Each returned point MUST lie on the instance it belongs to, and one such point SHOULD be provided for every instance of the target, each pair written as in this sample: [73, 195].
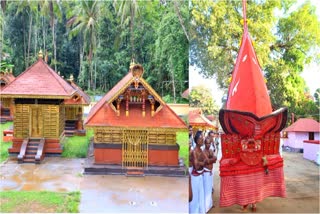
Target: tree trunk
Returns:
[54, 45]
[132, 27]
[43, 34]
[1, 42]
[52, 20]
[29, 39]
[176, 8]
[173, 81]
[35, 40]
[95, 75]
[24, 44]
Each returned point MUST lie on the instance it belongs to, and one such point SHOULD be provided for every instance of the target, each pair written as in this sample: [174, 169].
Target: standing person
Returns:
[191, 141]
[216, 140]
[197, 205]
[208, 174]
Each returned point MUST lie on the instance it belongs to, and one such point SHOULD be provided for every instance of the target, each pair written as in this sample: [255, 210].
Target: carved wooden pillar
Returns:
[127, 105]
[152, 107]
[143, 107]
[118, 106]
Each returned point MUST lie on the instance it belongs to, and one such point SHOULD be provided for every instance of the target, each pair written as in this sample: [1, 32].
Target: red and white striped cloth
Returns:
[250, 188]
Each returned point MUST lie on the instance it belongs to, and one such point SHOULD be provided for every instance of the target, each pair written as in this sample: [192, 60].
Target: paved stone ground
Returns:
[302, 184]
[99, 193]
[109, 193]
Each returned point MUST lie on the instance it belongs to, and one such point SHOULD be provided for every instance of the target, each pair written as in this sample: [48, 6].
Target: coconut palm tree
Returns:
[127, 11]
[53, 8]
[84, 21]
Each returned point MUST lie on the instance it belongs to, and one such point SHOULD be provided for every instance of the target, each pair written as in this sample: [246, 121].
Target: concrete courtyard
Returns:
[99, 193]
[302, 184]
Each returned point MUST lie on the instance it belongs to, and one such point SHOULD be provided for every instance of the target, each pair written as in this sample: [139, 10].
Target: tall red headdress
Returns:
[250, 146]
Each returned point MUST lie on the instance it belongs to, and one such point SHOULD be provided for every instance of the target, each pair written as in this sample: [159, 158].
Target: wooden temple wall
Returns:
[161, 146]
[50, 122]
[72, 112]
[51, 119]
[61, 120]
[21, 121]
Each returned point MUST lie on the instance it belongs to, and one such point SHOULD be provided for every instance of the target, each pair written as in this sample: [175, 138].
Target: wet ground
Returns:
[99, 193]
[302, 185]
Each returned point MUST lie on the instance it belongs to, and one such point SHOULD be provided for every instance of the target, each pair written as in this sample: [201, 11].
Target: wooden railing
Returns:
[39, 156]
[23, 150]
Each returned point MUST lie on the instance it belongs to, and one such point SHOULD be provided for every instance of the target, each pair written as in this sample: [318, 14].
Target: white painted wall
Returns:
[295, 139]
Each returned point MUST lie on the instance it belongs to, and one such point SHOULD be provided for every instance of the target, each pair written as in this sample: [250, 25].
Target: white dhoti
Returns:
[208, 184]
[197, 205]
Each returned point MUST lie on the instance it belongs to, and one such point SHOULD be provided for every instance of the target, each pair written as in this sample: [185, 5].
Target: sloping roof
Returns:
[84, 98]
[102, 114]
[179, 109]
[248, 91]
[197, 119]
[304, 125]
[39, 81]
[185, 94]
[6, 77]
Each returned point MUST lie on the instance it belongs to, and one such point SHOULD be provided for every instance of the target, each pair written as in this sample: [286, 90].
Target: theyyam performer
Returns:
[251, 167]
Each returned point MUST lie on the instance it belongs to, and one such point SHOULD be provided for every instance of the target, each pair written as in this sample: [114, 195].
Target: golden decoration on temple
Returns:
[40, 54]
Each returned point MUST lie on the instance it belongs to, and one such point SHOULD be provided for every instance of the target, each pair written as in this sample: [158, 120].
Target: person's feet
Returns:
[244, 208]
[254, 208]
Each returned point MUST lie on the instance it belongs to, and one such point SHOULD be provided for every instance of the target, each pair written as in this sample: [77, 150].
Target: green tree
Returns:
[201, 97]
[284, 43]
[85, 20]
[317, 97]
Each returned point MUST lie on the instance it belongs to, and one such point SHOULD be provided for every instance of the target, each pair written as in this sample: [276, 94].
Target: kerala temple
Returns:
[43, 104]
[134, 130]
[6, 104]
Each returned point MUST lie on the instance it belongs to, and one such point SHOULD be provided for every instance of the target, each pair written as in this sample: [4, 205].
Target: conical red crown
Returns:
[248, 90]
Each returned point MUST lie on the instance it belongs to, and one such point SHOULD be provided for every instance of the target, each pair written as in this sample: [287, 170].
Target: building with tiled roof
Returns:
[39, 119]
[301, 130]
[6, 104]
[74, 109]
[133, 126]
[198, 121]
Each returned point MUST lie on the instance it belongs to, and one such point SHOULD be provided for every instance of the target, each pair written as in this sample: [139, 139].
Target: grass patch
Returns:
[76, 146]
[183, 141]
[40, 202]
[4, 146]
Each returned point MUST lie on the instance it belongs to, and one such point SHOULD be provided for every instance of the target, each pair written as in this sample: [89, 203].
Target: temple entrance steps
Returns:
[135, 172]
[70, 127]
[3, 120]
[32, 150]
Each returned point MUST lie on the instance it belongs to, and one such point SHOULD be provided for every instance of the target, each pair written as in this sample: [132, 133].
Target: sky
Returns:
[311, 74]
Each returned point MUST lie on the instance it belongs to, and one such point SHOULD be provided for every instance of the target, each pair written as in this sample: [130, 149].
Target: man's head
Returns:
[207, 142]
[211, 135]
[198, 138]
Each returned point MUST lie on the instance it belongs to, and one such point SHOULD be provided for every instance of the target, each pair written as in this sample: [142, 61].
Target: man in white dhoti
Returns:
[197, 205]
[208, 174]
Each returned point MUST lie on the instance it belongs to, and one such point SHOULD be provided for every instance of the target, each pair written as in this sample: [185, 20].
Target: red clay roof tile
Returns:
[39, 80]
[102, 113]
[304, 125]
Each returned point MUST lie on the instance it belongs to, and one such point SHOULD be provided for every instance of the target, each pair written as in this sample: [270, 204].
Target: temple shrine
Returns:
[134, 129]
[41, 99]
[74, 108]
[251, 163]
[198, 121]
[6, 104]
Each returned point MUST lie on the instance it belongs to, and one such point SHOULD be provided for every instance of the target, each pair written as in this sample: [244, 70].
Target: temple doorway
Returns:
[36, 121]
[135, 148]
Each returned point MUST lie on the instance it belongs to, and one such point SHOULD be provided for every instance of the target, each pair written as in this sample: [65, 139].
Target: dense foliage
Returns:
[286, 37]
[201, 97]
[96, 40]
